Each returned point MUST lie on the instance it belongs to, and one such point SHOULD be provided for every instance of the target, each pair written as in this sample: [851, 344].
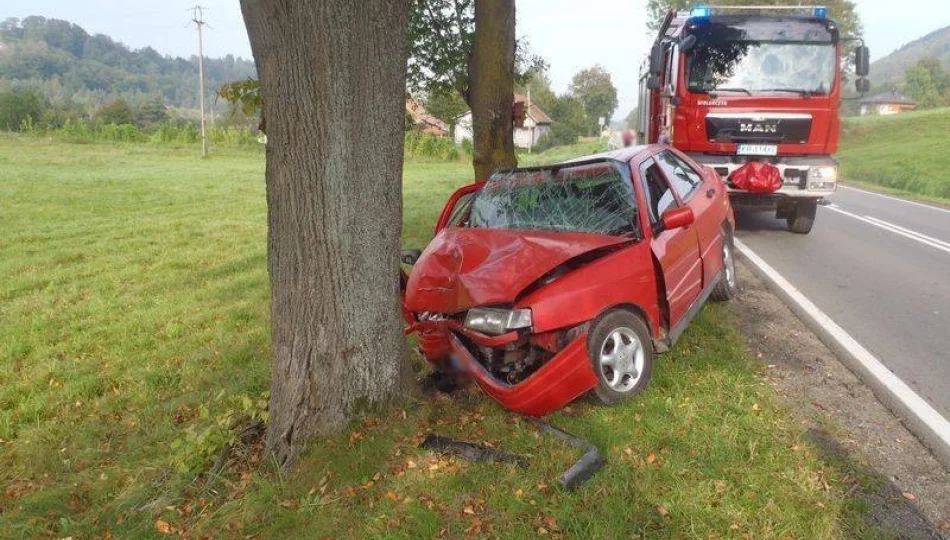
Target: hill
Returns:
[905, 152]
[70, 65]
[889, 70]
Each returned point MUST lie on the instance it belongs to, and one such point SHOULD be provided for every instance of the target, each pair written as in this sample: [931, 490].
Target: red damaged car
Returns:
[546, 283]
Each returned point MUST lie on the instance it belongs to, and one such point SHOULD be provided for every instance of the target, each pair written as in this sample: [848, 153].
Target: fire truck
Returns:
[753, 92]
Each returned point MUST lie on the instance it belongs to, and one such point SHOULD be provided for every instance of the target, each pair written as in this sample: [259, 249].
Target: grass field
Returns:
[134, 307]
[904, 153]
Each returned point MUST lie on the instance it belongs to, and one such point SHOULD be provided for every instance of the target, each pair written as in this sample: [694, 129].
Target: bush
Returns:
[19, 107]
[430, 146]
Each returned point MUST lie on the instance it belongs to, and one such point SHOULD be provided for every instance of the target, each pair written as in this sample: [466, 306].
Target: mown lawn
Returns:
[904, 153]
[133, 301]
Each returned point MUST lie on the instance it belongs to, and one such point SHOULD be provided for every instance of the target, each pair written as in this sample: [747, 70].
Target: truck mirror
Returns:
[656, 58]
[687, 43]
[653, 82]
[862, 61]
[862, 85]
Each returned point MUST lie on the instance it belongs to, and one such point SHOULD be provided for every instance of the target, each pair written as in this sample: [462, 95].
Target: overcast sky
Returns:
[569, 34]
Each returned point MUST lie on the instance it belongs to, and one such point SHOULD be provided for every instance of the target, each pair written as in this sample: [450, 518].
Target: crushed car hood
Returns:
[462, 268]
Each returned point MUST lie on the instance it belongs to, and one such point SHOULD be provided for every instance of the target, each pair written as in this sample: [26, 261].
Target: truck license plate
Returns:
[757, 150]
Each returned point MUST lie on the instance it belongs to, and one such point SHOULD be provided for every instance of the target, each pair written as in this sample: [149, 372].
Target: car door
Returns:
[693, 190]
[676, 250]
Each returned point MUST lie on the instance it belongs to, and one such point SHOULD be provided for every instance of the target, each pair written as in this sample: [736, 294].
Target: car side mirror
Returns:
[862, 85]
[656, 58]
[409, 256]
[862, 61]
[676, 218]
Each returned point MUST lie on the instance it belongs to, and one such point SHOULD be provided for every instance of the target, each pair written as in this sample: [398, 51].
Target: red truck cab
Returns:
[730, 88]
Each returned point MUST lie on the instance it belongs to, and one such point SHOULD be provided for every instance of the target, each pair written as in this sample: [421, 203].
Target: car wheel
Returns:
[803, 219]
[621, 353]
[729, 284]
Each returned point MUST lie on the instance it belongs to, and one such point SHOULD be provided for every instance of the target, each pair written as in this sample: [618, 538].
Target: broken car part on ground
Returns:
[543, 284]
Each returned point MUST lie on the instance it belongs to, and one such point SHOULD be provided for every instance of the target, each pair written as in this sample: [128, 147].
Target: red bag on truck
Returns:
[757, 177]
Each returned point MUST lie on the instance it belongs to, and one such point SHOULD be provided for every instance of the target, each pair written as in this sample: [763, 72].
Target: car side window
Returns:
[461, 211]
[658, 194]
[684, 178]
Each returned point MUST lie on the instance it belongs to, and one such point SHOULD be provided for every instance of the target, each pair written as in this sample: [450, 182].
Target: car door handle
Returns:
[710, 193]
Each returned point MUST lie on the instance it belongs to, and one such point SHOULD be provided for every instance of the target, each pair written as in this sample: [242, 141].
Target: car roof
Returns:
[621, 154]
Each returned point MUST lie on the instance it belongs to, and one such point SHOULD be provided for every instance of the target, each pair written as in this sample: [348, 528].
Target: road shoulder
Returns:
[908, 491]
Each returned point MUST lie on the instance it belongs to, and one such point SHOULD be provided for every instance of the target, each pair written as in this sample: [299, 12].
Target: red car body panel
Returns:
[563, 379]
[465, 268]
[625, 277]
[567, 280]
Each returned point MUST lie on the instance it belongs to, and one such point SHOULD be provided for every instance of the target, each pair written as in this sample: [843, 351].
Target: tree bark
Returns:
[333, 76]
[492, 86]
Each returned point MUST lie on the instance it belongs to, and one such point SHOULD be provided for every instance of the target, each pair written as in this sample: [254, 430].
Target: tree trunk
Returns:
[492, 86]
[333, 76]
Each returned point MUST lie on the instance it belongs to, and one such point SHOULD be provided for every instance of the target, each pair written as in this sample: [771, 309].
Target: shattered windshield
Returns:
[751, 67]
[590, 198]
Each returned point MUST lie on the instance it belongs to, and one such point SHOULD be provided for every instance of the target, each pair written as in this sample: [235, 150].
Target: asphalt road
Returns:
[880, 267]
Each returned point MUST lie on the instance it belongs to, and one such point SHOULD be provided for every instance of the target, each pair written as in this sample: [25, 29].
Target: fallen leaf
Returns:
[163, 527]
[628, 451]
[755, 406]
[391, 496]
[909, 496]
[469, 510]
[519, 493]
[542, 531]
[651, 458]
[660, 509]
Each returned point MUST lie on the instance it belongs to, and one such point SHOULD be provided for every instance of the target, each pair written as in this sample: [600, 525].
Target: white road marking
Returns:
[907, 233]
[936, 428]
[898, 199]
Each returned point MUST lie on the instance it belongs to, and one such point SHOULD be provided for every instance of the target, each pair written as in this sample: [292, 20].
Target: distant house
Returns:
[891, 102]
[537, 124]
[423, 122]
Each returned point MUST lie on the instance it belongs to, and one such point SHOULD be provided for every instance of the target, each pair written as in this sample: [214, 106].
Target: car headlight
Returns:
[497, 321]
[823, 174]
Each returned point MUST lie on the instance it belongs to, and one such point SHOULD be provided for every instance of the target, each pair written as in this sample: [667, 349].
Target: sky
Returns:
[570, 34]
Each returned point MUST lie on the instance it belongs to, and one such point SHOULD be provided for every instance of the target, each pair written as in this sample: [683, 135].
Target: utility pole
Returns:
[527, 112]
[199, 21]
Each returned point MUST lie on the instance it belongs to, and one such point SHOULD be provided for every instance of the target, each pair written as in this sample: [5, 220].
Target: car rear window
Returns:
[587, 197]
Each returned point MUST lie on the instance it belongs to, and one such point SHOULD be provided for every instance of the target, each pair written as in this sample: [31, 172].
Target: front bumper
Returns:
[794, 171]
[561, 380]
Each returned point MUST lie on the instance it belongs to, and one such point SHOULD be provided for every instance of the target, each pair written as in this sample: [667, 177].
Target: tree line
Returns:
[77, 71]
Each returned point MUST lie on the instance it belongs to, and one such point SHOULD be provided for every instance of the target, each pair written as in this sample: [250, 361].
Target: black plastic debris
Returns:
[470, 451]
[584, 468]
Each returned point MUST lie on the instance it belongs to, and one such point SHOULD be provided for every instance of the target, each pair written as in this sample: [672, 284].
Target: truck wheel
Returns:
[803, 219]
[729, 284]
[621, 353]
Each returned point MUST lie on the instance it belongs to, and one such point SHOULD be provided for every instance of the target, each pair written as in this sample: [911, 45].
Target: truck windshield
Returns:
[761, 67]
[590, 198]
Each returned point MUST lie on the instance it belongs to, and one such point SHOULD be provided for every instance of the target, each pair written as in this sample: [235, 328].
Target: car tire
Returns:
[804, 218]
[728, 285]
[621, 337]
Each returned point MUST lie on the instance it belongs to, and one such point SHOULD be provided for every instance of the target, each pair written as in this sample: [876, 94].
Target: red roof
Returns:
[535, 112]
